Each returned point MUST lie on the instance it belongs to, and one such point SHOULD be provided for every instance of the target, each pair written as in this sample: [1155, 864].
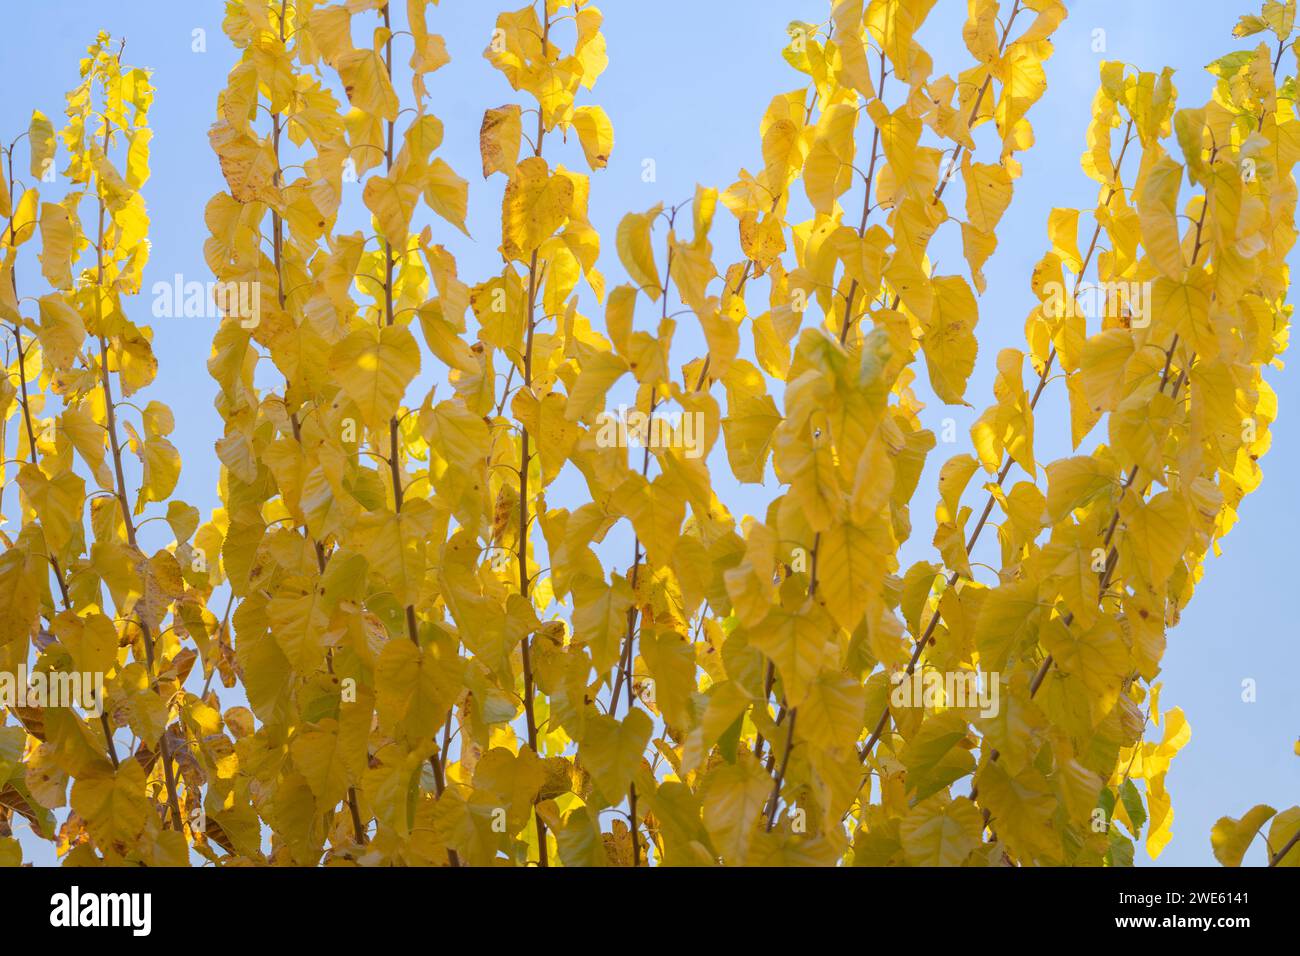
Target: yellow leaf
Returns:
[1231, 838]
[671, 660]
[499, 138]
[414, 689]
[797, 642]
[747, 431]
[247, 163]
[1139, 426]
[1098, 657]
[1157, 204]
[977, 247]
[941, 832]
[610, 750]
[636, 252]
[299, 617]
[949, 338]
[1006, 622]
[988, 193]
[137, 158]
[365, 80]
[114, 805]
[1155, 535]
[1282, 832]
[850, 570]
[58, 240]
[58, 502]
[331, 756]
[733, 798]
[394, 544]
[596, 133]
[161, 471]
[600, 618]
[40, 136]
[656, 510]
[828, 170]
[456, 433]
[373, 367]
[1021, 808]
[23, 224]
[535, 206]
[1063, 231]
[598, 373]
[981, 30]
[1073, 483]
[446, 193]
[61, 331]
[831, 714]
[393, 202]
[92, 641]
[954, 476]
[1023, 84]
[1160, 812]
[782, 152]
[1102, 368]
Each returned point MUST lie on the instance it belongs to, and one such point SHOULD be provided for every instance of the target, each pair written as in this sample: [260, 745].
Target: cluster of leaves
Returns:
[438, 666]
[1230, 837]
[78, 593]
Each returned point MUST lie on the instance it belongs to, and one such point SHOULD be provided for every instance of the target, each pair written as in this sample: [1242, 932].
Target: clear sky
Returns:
[687, 85]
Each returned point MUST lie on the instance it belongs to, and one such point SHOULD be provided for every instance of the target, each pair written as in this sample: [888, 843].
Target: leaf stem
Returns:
[106, 382]
[525, 459]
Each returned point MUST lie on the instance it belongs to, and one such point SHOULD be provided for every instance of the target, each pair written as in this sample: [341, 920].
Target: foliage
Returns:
[80, 594]
[426, 658]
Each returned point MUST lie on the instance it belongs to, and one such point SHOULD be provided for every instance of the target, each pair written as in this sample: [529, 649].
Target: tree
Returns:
[96, 605]
[444, 658]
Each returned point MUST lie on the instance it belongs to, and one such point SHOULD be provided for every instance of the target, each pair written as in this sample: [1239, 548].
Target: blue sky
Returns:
[686, 87]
